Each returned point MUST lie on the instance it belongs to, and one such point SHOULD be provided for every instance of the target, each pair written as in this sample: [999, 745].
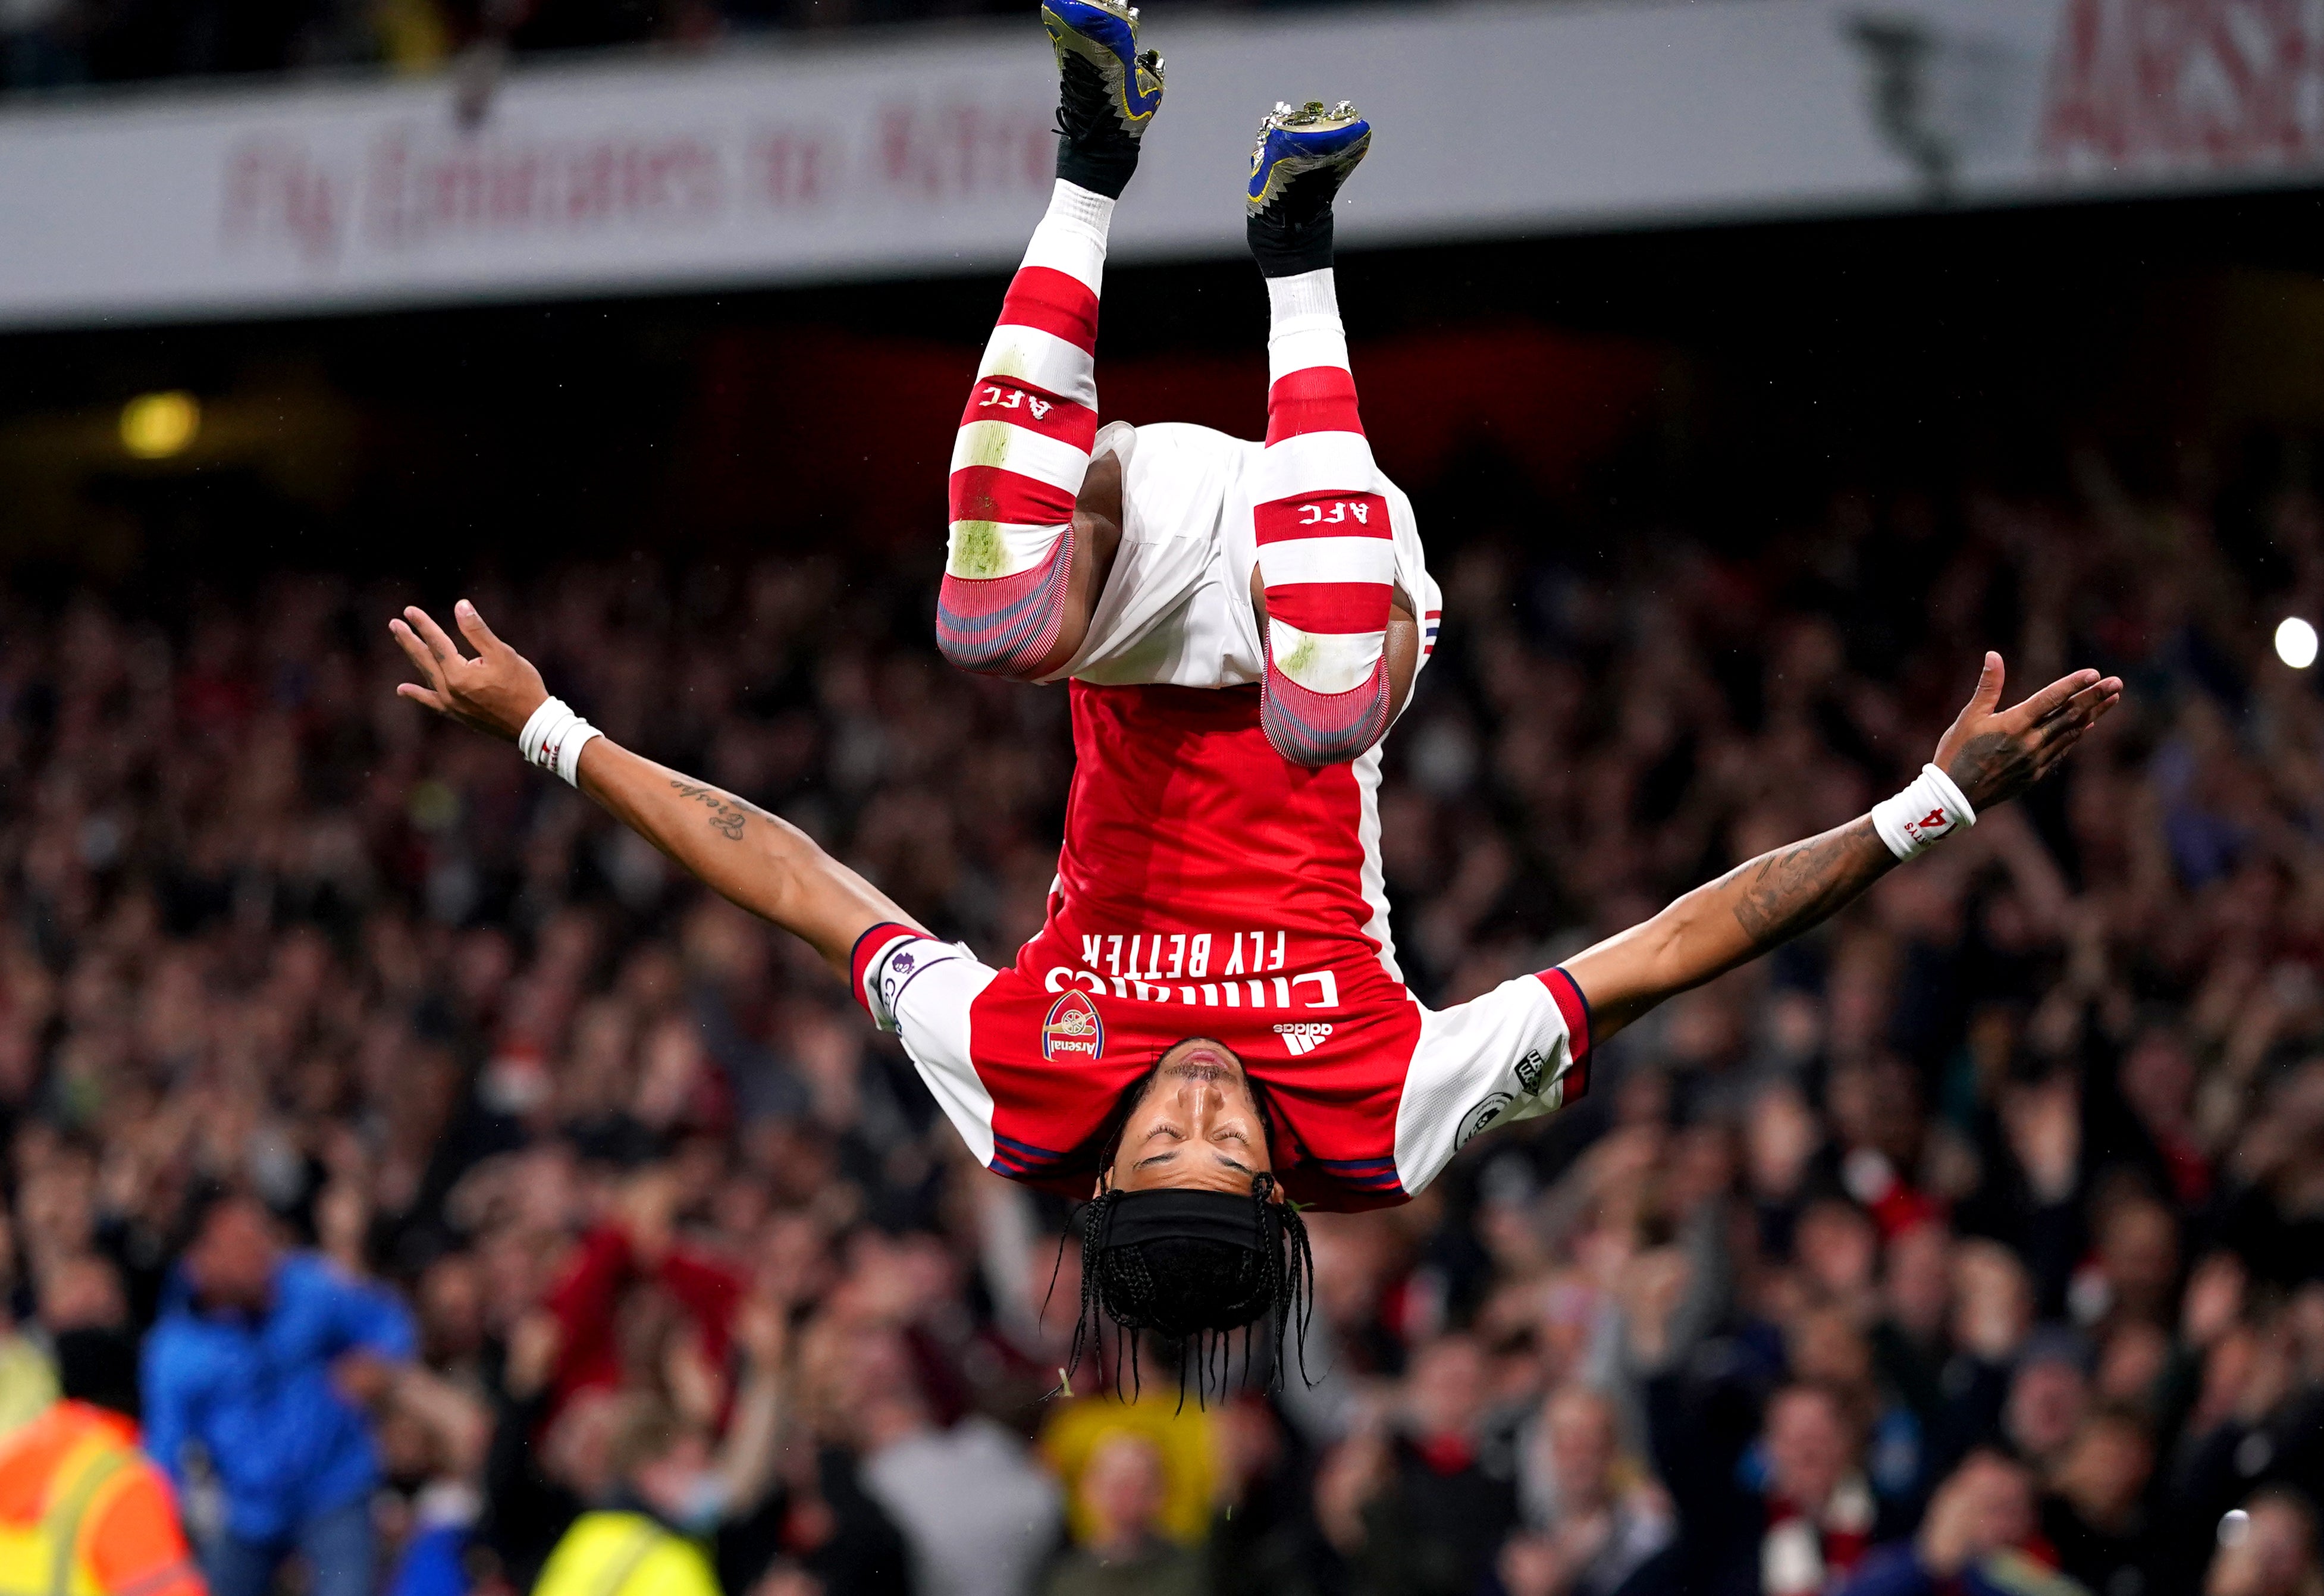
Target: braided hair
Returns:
[1192, 1268]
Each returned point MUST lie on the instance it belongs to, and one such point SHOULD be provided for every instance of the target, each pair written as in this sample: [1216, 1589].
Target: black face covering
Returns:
[1192, 1268]
[1132, 1218]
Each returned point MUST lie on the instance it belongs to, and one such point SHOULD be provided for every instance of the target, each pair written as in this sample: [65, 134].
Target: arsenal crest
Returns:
[1073, 1029]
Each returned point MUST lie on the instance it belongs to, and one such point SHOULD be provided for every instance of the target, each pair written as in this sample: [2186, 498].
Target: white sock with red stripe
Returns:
[1325, 555]
[1023, 449]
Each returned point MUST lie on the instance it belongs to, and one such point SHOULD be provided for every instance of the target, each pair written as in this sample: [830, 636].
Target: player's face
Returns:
[1196, 1127]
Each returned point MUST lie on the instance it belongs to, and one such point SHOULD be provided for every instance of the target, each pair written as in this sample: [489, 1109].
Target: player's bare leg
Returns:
[1034, 528]
[1326, 555]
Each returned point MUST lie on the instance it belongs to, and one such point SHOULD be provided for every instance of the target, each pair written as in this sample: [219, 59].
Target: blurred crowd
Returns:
[48, 44]
[462, 1170]
[62, 44]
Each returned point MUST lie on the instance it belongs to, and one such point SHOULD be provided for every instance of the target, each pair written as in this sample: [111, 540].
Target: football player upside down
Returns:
[1211, 1029]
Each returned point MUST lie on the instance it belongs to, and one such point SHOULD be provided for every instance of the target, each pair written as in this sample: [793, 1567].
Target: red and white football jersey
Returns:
[1209, 888]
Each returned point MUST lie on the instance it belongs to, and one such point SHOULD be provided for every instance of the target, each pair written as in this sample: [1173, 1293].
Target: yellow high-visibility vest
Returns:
[44, 1557]
[622, 1554]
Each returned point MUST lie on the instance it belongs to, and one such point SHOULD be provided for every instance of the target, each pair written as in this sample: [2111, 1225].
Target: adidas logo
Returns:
[1303, 1039]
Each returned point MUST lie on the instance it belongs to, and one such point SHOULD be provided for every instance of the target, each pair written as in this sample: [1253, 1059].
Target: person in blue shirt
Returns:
[267, 1360]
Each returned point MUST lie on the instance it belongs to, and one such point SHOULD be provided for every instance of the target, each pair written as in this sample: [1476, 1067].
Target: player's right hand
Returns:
[496, 692]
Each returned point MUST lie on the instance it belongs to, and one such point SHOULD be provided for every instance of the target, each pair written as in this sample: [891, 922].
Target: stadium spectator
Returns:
[643, 1539]
[1594, 1526]
[1448, 1501]
[28, 1379]
[2094, 1514]
[81, 1508]
[270, 1363]
[1125, 1553]
[979, 1517]
[1976, 1540]
[634, 1294]
[672, 1487]
[2048, 1395]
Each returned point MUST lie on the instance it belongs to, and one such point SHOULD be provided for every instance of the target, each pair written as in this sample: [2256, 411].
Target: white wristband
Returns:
[1923, 814]
[553, 739]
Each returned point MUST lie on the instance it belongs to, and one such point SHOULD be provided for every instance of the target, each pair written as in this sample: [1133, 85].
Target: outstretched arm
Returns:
[1991, 755]
[763, 863]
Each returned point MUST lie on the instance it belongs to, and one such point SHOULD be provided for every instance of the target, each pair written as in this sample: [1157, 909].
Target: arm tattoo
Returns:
[727, 815]
[1784, 892]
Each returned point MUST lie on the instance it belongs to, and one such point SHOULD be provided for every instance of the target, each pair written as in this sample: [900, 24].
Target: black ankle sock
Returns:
[1105, 172]
[1287, 249]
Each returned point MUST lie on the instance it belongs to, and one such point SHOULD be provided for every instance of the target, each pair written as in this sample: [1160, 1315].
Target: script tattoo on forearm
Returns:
[727, 815]
[1786, 891]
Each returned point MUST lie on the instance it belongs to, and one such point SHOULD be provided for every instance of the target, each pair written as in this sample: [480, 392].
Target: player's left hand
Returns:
[1994, 754]
[495, 693]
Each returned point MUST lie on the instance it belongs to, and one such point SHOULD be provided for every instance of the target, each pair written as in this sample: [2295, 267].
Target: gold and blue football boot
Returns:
[1107, 91]
[1302, 156]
